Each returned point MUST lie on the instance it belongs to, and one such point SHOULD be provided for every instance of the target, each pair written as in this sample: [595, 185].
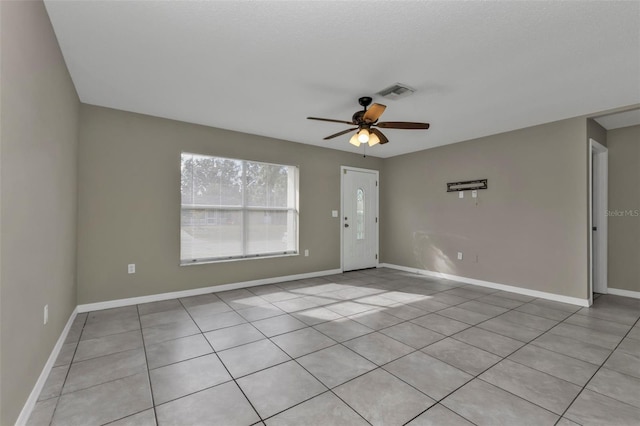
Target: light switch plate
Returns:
[461, 194]
[334, 213]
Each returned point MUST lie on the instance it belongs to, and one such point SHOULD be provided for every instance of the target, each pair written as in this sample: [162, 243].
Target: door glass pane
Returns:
[360, 214]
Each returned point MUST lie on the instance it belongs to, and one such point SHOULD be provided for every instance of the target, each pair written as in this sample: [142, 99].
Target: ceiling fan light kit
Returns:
[367, 123]
[373, 139]
[363, 135]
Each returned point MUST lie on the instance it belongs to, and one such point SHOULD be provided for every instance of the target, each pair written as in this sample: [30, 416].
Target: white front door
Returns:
[359, 219]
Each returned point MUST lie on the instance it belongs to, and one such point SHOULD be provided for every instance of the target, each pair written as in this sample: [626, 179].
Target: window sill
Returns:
[238, 259]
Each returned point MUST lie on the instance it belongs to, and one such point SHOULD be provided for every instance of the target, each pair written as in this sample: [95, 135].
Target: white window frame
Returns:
[293, 194]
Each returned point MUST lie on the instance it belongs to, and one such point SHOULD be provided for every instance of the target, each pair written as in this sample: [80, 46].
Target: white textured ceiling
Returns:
[262, 67]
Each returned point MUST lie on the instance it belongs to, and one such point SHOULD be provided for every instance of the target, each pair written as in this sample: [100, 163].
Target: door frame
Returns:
[598, 171]
[343, 170]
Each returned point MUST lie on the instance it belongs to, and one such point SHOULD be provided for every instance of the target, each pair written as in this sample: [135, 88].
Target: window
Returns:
[236, 209]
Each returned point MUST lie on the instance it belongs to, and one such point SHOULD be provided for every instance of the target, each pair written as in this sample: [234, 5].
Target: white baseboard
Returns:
[44, 375]
[198, 291]
[489, 284]
[621, 292]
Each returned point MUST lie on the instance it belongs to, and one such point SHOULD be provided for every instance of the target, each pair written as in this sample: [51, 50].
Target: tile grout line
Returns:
[295, 359]
[445, 407]
[225, 367]
[477, 377]
[307, 326]
[558, 323]
[381, 309]
[308, 372]
[401, 322]
[315, 351]
[596, 372]
[474, 376]
[109, 334]
[98, 384]
[77, 344]
[301, 366]
[146, 359]
[576, 340]
[106, 355]
[64, 382]
[405, 320]
[380, 367]
[420, 350]
[532, 340]
[327, 387]
[126, 417]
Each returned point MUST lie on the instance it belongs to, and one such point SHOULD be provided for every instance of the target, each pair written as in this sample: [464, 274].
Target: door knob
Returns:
[346, 225]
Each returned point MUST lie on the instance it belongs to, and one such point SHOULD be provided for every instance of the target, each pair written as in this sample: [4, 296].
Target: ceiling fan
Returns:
[366, 122]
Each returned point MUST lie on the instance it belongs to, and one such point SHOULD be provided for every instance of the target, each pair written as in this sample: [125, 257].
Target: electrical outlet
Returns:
[474, 193]
[131, 268]
[461, 194]
[459, 255]
[46, 314]
[306, 253]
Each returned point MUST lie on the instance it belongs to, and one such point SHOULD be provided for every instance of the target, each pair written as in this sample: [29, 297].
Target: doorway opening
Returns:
[598, 181]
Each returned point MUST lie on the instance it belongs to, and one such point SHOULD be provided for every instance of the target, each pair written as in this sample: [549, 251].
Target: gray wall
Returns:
[624, 231]
[596, 131]
[38, 192]
[129, 204]
[529, 229]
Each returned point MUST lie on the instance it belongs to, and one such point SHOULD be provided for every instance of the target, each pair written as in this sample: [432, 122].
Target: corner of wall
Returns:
[39, 128]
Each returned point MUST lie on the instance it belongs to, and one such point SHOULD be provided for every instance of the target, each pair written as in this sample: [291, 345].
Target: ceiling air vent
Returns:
[397, 91]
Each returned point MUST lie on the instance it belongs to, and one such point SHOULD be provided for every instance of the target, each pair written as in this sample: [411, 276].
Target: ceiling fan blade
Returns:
[382, 137]
[331, 120]
[373, 113]
[403, 125]
[340, 133]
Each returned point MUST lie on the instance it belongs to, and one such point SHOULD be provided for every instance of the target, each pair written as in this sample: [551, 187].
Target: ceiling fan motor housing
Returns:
[365, 101]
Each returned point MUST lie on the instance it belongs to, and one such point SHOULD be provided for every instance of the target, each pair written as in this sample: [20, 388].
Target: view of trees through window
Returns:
[236, 208]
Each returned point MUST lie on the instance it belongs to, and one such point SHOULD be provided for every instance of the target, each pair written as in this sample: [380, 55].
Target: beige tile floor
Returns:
[377, 347]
